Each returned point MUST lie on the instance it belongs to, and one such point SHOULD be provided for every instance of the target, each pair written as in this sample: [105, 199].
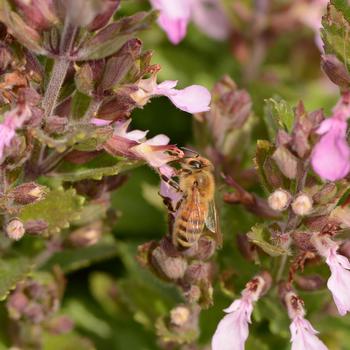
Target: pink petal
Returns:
[304, 335]
[100, 122]
[210, 18]
[232, 331]
[165, 86]
[137, 135]
[331, 155]
[193, 99]
[158, 140]
[174, 18]
[339, 281]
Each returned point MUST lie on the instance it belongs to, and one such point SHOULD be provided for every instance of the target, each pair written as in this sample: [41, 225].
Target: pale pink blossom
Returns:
[13, 120]
[193, 99]
[206, 14]
[304, 336]
[134, 145]
[233, 330]
[209, 17]
[339, 281]
[330, 157]
[174, 17]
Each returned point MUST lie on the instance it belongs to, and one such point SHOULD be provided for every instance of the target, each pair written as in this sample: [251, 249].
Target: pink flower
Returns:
[176, 15]
[232, 331]
[13, 120]
[210, 18]
[193, 99]
[330, 158]
[303, 335]
[133, 144]
[339, 281]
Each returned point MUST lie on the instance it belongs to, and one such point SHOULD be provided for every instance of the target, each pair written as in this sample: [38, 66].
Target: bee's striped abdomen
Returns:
[189, 224]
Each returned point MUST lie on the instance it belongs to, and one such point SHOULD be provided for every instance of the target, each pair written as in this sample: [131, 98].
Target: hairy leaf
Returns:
[12, 271]
[58, 209]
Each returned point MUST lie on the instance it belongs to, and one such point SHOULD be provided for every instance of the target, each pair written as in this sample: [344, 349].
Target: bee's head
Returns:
[196, 163]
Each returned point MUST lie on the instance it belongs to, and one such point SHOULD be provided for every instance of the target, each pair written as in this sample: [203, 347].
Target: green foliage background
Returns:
[116, 303]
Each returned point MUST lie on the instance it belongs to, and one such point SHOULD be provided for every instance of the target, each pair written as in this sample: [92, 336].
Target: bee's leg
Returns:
[171, 183]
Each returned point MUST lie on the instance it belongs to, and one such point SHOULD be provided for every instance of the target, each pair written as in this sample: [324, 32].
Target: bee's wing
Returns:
[212, 222]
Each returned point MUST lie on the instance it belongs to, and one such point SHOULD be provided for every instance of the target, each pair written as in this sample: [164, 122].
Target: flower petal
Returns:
[339, 281]
[303, 335]
[174, 18]
[193, 99]
[331, 156]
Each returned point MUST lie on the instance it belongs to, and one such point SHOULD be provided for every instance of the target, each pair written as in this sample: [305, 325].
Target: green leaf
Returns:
[74, 259]
[278, 114]
[12, 271]
[111, 38]
[257, 235]
[83, 136]
[336, 30]
[80, 104]
[58, 209]
[86, 172]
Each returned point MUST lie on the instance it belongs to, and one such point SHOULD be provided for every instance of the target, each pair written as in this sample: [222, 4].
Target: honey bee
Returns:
[196, 214]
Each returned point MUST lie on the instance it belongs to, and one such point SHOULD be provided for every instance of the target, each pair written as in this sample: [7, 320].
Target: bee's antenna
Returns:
[191, 151]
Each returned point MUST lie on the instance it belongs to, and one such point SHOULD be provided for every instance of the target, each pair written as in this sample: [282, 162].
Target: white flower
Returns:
[339, 281]
[303, 335]
[232, 331]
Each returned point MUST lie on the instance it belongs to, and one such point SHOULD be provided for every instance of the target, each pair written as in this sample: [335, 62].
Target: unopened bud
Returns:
[279, 200]
[28, 193]
[336, 71]
[86, 236]
[203, 250]
[310, 283]
[197, 272]
[193, 294]
[15, 229]
[302, 204]
[179, 316]
[171, 267]
[35, 227]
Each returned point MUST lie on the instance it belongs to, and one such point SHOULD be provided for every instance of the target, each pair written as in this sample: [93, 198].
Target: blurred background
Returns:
[271, 49]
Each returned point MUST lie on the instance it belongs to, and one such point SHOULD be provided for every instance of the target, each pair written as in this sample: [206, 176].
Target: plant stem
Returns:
[92, 110]
[59, 69]
[53, 89]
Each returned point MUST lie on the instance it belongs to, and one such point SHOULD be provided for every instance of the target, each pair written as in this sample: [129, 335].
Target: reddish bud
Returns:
[28, 193]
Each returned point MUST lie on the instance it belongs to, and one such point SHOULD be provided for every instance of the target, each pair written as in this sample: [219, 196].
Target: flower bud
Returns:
[279, 200]
[203, 250]
[86, 236]
[197, 272]
[28, 193]
[336, 71]
[35, 227]
[310, 283]
[15, 229]
[193, 294]
[171, 267]
[179, 316]
[302, 204]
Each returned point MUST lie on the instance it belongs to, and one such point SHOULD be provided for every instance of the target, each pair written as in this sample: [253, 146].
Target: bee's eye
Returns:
[195, 164]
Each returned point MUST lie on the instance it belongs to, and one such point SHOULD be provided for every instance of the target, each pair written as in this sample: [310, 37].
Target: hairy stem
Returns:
[59, 69]
[53, 89]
